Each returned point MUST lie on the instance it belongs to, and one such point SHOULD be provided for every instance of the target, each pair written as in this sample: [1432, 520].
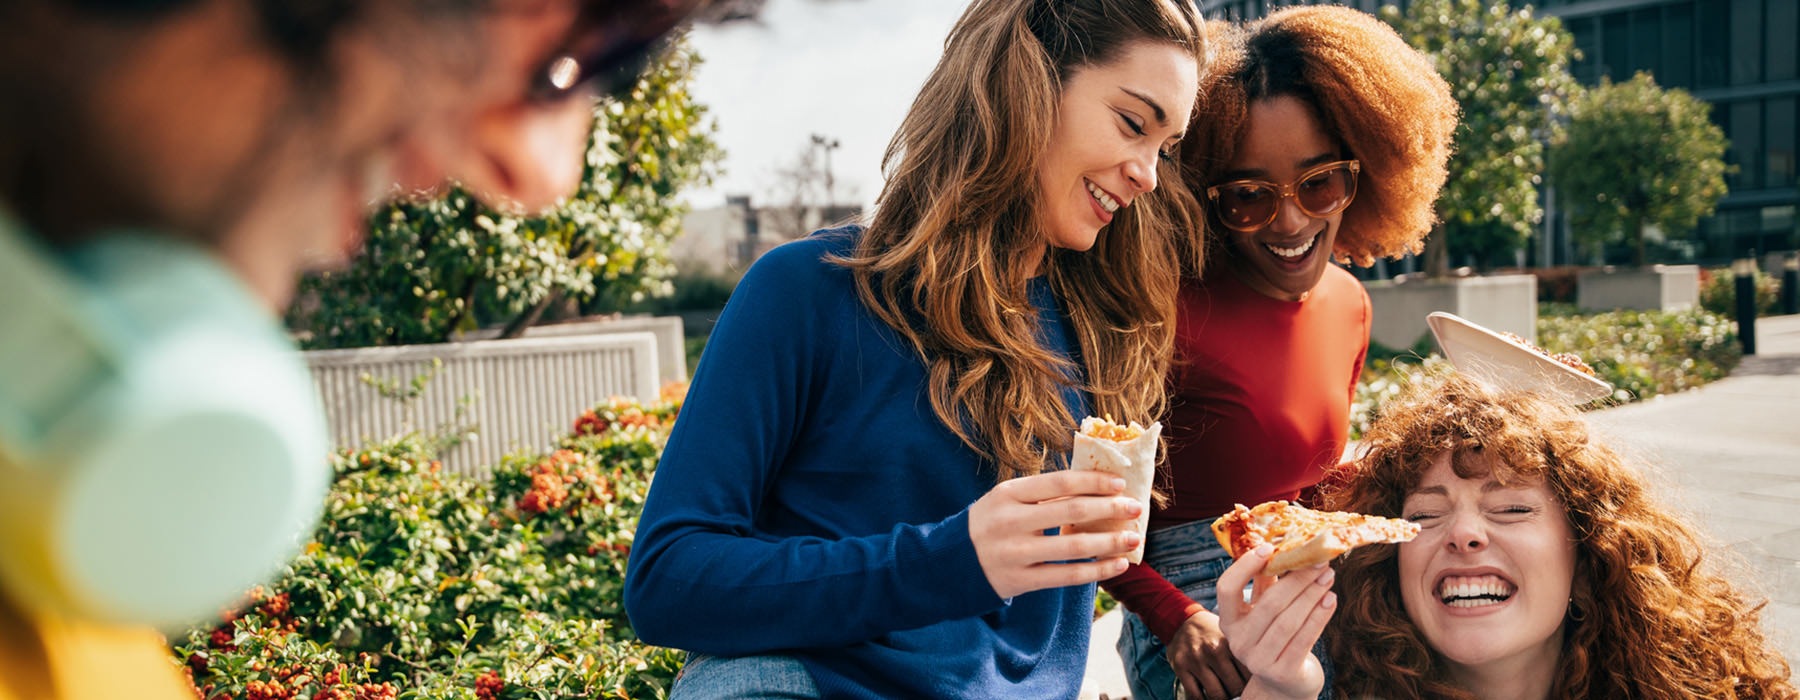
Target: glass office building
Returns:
[1739, 55]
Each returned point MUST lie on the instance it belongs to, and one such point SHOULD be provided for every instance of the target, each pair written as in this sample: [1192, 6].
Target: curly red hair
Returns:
[1648, 618]
[1377, 96]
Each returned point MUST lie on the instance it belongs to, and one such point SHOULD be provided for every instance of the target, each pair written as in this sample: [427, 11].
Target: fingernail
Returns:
[1133, 539]
[1330, 600]
[1118, 484]
[1133, 507]
[1118, 565]
[1264, 549]
[1326, 576]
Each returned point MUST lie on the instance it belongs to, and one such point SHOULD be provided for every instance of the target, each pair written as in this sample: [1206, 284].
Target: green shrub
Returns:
[1646, 353]
[1385, 378]
[422, 584]
[691, 291]
[1718, 292]
[1642, 353]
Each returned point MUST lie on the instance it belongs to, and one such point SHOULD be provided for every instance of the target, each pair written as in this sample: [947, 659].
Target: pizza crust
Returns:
[1303, 537]
[1321, 548]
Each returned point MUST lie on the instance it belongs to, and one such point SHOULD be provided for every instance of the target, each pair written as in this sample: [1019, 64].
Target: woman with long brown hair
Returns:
[856, 500]
[1544, 569]
[1320, 137]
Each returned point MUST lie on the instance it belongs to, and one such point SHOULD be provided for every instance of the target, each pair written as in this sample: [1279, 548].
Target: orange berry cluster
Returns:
[551, 478]
[624, 413]
[289, 682]
[488, 686]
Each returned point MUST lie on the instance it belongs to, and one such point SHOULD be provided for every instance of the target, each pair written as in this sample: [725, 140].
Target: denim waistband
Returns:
[1179, 544]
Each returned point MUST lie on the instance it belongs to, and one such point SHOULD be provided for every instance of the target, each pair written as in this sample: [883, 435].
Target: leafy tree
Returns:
[432, 267]
[1635, 154]
[1509, 70]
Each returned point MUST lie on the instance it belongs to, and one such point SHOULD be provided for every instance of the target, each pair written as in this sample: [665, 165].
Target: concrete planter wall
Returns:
[517, 394]
[1501, 302]
[1657, 288]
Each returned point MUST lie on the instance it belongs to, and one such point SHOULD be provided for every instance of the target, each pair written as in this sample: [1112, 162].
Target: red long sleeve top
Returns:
[1259, 407]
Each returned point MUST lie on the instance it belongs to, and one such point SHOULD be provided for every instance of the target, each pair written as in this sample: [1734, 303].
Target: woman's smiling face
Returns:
[1115, 123]
[1282, 140]
[1487, 581]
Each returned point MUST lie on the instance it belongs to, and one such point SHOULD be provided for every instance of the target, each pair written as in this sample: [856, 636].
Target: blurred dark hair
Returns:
[300, 28]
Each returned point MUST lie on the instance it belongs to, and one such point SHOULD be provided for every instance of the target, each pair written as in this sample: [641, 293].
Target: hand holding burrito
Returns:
[1127, 451]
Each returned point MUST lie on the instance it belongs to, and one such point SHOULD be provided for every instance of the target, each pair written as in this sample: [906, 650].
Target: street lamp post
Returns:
[829, 144]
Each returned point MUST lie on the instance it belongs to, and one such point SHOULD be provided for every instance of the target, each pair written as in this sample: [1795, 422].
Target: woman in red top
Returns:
[1320, 134]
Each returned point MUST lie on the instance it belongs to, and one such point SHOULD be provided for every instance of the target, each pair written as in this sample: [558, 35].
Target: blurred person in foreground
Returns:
[861, 497]
[168, 168]
[1545, 569]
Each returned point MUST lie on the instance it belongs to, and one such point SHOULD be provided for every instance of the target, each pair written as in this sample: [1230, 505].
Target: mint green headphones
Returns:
[162, 448]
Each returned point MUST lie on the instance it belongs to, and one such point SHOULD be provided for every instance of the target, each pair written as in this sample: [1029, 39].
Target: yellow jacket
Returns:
[48, 657]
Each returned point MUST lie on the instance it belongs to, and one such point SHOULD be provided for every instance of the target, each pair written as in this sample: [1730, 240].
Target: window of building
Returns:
[1744, 128]
[1746, 42]
[1615, 47]
[1646, 43]
[1678, 47]
[1778, 142]
[1712, 47]
[1587, 41]
[1782, 26]
[1744, 222]
[1778, 219]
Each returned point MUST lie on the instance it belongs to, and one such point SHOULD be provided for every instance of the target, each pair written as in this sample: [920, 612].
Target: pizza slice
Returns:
[1302, 536]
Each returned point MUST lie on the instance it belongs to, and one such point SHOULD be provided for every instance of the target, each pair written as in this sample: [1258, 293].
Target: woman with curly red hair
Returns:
[1320, 135]
[1545, 568]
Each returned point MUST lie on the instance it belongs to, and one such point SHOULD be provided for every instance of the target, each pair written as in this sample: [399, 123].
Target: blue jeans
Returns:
[1190, 557]
[767, 677]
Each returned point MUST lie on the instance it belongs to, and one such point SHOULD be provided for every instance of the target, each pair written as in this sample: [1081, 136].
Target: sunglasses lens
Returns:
[1244, 206]
[1325, 193]
[1247, 205]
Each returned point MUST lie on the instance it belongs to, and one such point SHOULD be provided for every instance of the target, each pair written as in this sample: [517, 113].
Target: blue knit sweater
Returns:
[810, 503]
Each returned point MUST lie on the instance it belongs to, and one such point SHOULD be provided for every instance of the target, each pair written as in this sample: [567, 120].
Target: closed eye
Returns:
[1135, 126]
[1422, 517]
[1515, 510]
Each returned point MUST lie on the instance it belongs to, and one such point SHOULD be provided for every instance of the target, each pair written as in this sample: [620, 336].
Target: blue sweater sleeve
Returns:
[702, 575]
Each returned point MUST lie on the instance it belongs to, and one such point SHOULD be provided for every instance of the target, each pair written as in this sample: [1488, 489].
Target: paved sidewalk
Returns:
[1728, 453]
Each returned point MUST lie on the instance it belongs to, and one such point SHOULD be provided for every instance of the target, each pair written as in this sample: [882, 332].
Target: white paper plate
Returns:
[1505, 363]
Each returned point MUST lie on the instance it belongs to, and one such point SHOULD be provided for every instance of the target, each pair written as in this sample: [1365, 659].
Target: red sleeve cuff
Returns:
[1162, 606]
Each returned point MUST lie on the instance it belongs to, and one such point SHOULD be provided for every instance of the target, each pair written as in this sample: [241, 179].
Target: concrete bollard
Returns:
[1790, 284]
[1745, 270]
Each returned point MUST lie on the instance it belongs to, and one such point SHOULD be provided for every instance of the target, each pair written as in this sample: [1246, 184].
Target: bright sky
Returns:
[847, 69]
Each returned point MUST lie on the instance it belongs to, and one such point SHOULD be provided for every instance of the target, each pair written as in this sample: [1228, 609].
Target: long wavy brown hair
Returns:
[1649, 615]
[1377, 96]
[945, 256]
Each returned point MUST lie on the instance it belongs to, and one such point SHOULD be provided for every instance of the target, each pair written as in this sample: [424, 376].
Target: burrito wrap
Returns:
[1134, 460]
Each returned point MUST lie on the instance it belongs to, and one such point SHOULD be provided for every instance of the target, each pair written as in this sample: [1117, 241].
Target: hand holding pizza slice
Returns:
[1302, 536]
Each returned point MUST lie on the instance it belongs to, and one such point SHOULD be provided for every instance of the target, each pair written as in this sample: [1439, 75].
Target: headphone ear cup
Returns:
[162, 448]
[212, 479]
